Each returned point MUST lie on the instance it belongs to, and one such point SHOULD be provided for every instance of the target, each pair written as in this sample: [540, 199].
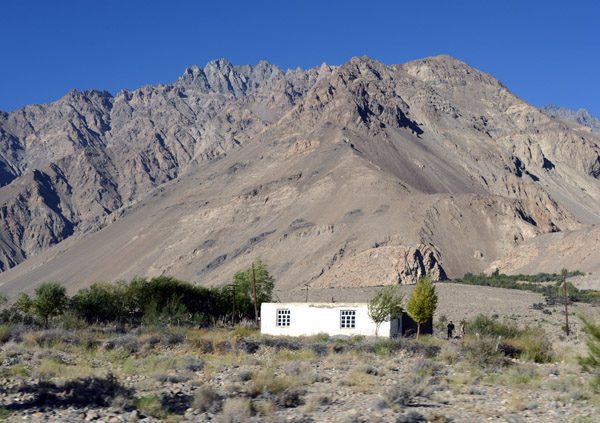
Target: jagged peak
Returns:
[362, 59]
[221, 63]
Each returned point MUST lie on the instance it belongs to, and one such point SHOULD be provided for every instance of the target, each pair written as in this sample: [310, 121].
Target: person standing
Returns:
[450, 329]
[462, 329]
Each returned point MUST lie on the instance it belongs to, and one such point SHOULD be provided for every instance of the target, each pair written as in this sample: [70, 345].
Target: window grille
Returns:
[348, 319]
[283, 317]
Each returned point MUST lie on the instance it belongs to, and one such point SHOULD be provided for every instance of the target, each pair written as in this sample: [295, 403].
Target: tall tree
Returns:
[423, 302]
[386, 305]
[245, 288]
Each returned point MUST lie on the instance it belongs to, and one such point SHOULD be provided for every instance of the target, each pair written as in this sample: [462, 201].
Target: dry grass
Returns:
[285, 374]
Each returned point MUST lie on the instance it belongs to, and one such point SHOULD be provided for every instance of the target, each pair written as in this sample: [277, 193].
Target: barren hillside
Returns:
[359, 175]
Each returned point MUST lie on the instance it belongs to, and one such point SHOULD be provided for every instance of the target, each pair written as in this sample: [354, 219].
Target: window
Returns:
[348, 319]
[283, 317]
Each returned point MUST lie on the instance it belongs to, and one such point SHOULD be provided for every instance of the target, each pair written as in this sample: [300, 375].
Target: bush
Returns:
[206, 399]
[533, 345]
[486, 326]
[591, 363]
[235, 410]
[127, 343]
[528, 343]
[4, 333]
[408, 389]
[484, 351]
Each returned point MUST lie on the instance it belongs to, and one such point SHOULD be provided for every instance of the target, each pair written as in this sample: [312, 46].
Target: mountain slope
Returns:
[357, 175]
[581, 116]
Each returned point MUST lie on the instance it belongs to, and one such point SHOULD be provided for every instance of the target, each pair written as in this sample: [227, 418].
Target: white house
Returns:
[297, 319]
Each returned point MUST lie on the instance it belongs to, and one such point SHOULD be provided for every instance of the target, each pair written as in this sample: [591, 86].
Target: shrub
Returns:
[235, 410]
[528, 343]
[206, 399]
[151, 405]
[291, 397]
[408, 389]
[4, 333]
[591, 363]
[127, 343]
[486, 326]
[192, 364]
[533, 345]
[314, 401]
[484, 352]
[411, 417]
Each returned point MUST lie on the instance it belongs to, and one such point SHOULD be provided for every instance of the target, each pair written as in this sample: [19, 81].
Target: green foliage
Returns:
[23, 303]
[101, 302]
[591, 363]
[50, 300]
[4, 333]
[487, 326]
[244, 296]
[528, 343]
[386, 305]
[171, 301]
[549, 285]
[159, 302]
[423, 302]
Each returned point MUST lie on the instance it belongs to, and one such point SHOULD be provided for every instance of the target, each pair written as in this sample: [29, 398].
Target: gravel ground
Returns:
[349, 388]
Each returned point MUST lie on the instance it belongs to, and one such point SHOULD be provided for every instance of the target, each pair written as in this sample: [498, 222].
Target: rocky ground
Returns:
[278, 384]
[162, 374]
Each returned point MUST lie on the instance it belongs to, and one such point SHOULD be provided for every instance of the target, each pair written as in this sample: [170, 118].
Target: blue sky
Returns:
[544, 51]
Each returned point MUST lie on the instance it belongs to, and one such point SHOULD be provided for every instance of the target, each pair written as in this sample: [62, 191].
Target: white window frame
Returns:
[347, 319]
[283, 317]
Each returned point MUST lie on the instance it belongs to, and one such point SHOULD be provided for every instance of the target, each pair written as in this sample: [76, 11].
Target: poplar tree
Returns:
[423, 302]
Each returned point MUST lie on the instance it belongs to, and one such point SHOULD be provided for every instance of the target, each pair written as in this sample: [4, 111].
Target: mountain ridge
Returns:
[421, 158]
[581, 116]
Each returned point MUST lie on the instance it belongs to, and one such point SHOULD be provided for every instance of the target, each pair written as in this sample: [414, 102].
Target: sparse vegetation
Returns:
[123, 349]
[104, 368]
[549, 285]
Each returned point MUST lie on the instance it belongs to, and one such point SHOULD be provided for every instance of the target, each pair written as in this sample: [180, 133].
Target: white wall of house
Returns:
[314, 318]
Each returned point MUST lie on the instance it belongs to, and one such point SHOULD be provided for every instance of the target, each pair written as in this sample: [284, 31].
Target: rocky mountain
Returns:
[581, 116]
[362, 174]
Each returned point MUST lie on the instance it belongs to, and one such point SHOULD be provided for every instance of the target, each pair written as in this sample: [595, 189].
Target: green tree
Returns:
[245, 291]
[591, 363]
[386, 305]
[423, 302]
[101, 302]
[23, 303]
[50, 300]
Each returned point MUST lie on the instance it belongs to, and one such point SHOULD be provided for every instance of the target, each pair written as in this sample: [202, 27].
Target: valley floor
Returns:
[239, 376]
[150, 374]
